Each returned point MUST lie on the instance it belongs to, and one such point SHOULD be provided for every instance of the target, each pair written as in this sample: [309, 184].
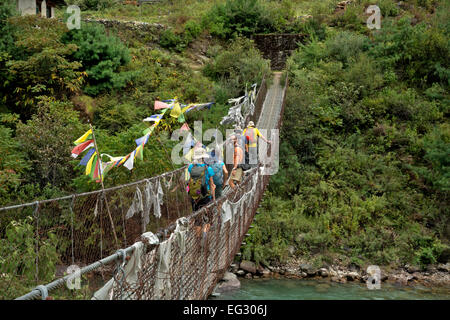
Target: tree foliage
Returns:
[238, 18]
[101, 56]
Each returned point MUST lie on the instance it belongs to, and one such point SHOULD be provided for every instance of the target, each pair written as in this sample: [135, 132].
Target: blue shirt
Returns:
[209, 173]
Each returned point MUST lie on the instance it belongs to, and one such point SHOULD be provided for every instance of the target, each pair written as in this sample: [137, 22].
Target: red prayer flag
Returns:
[185, 127]
[81, 147]
[161, 105]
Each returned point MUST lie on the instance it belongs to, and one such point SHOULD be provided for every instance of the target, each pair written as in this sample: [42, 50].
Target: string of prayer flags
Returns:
[199, 107]
[90, 159]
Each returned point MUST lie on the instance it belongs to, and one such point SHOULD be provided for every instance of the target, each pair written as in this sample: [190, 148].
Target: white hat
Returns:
[200, 153]
[251, 124]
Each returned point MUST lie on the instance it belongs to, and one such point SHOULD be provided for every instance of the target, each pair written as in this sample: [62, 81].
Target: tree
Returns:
[101, 56]
[7, 10]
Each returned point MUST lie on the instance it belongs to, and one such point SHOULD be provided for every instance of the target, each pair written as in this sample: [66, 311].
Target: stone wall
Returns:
[277, 47]
[26, 7]
[147, 33]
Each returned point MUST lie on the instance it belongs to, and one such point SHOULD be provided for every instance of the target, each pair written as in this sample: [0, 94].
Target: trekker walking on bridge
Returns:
[252, 134]
[238, 158]
[220, 173]
[201, 184]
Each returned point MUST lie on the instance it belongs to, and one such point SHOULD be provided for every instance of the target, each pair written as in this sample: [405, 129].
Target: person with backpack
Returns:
[251, 133]
[201, 184]
[220, 175]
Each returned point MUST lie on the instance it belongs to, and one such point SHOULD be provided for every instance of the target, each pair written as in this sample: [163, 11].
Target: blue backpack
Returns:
[218, 172]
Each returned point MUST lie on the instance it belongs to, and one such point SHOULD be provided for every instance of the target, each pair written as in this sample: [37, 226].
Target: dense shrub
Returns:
[238, 18]
[419, 53]
[437, 152]
[169, 39]
[48, 139]
[13, 165]
[238, 66]
[43, 66]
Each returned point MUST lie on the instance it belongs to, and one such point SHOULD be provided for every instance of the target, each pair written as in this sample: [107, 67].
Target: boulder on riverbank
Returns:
[323, 272]
[229, 282]
[308, 269]
[248, 266]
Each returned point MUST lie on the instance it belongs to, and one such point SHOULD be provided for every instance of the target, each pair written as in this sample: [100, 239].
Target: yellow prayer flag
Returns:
[84, 137]
[176, 111]
[89, 164]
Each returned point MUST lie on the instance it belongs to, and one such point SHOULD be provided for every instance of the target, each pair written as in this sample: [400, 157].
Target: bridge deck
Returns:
[272, 104]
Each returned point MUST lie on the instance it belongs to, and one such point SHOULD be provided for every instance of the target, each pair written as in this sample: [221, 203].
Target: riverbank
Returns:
[321, 289]
[434, 275]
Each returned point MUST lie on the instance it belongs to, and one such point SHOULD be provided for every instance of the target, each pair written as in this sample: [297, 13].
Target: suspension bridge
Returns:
[168, 251]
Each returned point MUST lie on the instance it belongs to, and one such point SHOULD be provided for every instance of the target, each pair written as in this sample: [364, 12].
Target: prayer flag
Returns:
[96, 172]
[140, 152]
[161, 105]
[176, 111]
[84, 137]
[81, 147]
[181, 118]
[143, 139]
[129, 164]
[185, 127]
[155, 117]
[86, 157]
[91, 165]
[149, 130]
[106, 167]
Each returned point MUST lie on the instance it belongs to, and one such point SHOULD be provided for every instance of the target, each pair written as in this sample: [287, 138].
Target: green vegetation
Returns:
[365, 147]
[364, 174]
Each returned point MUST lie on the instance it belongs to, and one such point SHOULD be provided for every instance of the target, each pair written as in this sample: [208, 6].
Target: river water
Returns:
[293, 289]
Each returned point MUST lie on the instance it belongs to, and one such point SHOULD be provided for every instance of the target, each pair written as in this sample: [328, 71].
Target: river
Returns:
[292, 289]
